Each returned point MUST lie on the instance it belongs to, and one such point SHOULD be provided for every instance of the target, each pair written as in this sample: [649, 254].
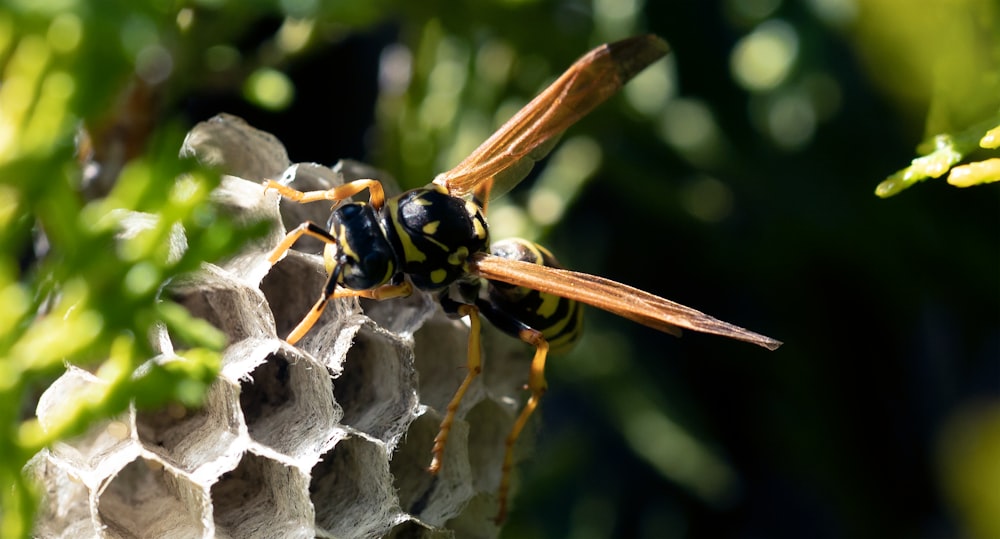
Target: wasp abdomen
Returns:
[434, 234]
[560, 320]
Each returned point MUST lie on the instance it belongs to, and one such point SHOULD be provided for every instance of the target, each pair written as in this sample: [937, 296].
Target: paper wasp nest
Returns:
[331, 438]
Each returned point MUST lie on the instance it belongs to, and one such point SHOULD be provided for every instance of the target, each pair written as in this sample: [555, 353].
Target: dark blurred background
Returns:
[737, 177]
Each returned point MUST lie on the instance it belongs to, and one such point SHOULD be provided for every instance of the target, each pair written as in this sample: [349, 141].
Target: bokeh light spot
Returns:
[762, 60]
[838, 13]
[299, 8]
[545, 206]
[687, 124]
[651, 89]
[493, 61]
[59, 85]
[142, 279]
[269, 89]
[65, 32]
[707, 199]
[185, 18]
[615, 16]
[154, 64]
[508, 220]
[572, 164]
[395, 70]
[441, 104]
[791, 120]
[294, 35]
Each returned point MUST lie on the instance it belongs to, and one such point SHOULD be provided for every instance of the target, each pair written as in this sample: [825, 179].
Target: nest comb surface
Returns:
[330, 438]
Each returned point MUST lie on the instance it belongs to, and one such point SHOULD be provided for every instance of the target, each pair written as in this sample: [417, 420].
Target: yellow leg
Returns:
[474, 363]
[305, 229]
[309, 321]
[383, 292]
[386, 291]
[311, 229]
[341, 192]
[537, 385]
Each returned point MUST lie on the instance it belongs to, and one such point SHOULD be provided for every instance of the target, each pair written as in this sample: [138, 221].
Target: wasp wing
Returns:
[508, 155]
[623, 300]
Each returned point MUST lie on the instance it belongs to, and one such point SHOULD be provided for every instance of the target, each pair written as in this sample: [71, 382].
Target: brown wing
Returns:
[507, 156]
[617, 298]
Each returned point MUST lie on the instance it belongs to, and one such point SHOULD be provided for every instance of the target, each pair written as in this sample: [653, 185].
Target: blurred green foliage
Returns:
[74, 289]
[735, 177]
[957, 76]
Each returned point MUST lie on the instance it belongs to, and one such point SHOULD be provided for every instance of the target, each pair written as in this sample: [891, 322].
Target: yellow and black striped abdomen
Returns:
[560, 320]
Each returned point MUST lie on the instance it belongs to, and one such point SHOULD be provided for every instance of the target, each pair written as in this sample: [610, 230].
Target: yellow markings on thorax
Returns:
[431, 228]
[431, 239]
[458, 256]
[477, 224]
[411, 252]
[411, 242]
[439, 275]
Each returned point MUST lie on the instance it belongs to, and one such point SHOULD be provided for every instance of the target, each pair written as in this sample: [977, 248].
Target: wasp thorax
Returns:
[435, 234]
[363, 255]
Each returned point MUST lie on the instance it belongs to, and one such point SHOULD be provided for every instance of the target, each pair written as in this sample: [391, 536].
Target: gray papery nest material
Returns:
[330, 438]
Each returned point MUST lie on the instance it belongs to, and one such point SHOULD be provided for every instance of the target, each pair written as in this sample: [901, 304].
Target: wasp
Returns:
[436, 239]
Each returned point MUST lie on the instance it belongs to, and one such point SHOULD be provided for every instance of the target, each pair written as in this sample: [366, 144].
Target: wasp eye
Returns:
[363, 250]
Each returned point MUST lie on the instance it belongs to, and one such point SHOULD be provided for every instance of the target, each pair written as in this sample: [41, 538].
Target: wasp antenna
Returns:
[632, 55]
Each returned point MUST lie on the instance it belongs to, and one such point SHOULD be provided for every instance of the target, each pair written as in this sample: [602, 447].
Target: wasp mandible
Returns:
[436, 239]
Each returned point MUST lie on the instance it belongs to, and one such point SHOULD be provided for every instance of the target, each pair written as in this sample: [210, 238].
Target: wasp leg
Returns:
[307, 228]
[474, 363]
[336, 194]
[537, 385]
[330, 291]
[386, 291]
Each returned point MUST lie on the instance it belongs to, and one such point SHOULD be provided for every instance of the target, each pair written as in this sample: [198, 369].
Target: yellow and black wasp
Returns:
[436, 239]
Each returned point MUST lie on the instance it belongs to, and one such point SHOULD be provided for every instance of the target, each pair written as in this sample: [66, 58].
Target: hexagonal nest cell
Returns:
[329, 438]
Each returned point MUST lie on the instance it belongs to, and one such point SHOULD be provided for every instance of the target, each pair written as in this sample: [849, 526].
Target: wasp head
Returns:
[362, 255]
